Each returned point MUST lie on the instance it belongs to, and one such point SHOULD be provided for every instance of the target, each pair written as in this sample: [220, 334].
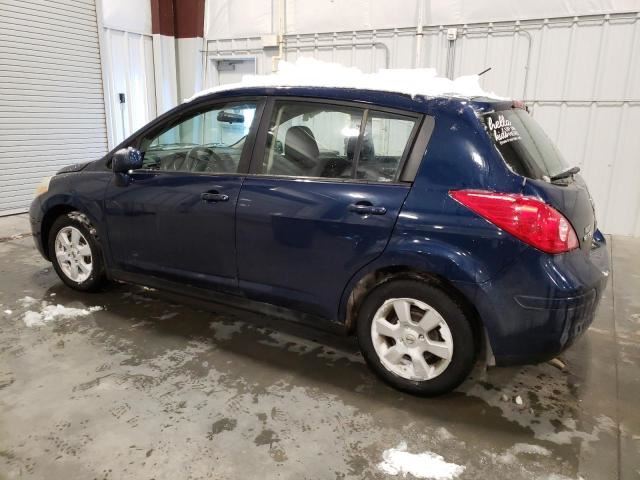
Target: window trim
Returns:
[418, 151]
[257, 157]
[161, 126]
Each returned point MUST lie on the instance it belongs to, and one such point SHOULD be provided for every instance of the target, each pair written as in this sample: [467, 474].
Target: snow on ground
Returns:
[26, 301]
[510, 455]
[444, 434]
[429, 465]
[48, 312]
[309, 72]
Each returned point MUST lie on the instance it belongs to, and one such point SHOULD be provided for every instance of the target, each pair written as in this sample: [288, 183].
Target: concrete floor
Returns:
[155, 387]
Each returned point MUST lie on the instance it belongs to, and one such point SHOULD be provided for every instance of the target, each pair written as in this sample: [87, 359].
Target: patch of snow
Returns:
[518, 400]
[51, 312]
[8, 312]
[444, 434]
[309, 72]
[509, 456]
[397, 461]
[27, 300]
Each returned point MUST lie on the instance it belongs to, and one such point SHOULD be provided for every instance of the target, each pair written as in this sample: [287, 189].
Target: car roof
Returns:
[383, 98]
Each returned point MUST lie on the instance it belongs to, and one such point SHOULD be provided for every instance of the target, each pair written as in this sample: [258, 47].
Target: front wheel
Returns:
[416, 337]
[75, 252]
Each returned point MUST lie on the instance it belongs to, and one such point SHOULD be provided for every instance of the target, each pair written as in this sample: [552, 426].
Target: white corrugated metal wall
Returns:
[51, 99]
[129, 69]
[579, 75]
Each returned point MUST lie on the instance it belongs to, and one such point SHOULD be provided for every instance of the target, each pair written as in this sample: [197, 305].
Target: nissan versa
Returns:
[435, 229]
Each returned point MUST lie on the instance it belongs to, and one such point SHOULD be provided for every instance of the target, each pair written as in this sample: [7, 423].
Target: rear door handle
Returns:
[214, 197]
[367, 209]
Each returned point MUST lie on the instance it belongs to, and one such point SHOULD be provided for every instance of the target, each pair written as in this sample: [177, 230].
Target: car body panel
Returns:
[159, 224]
[299, 243]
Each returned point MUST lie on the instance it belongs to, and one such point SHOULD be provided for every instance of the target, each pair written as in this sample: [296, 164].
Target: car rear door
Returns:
[175, 217]
[321, 200]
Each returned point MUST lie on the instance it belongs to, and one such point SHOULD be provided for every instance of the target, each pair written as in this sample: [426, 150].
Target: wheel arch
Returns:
[54, 212]
[375, 277]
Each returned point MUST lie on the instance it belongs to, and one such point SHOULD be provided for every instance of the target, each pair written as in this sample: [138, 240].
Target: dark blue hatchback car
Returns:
[436, 229]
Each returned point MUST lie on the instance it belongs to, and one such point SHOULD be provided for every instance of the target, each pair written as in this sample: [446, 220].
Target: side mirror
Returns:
[126, 159]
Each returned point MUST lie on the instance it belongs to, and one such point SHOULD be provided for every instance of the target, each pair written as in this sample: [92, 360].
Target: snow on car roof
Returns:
[309, 72]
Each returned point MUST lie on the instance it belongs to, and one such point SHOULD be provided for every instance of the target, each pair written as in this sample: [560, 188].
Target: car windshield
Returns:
[523, 144]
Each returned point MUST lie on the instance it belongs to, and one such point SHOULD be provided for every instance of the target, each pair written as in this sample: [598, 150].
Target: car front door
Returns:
[321, 200]
[175, 217]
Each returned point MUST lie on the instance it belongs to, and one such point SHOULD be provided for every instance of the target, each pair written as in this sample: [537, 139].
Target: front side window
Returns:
[312, 140]
[210, 142]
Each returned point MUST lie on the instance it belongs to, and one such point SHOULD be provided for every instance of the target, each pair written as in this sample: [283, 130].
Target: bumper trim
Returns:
[555, 303]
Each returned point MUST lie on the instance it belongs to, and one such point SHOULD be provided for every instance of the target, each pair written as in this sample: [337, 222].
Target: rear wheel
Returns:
[75, 253]
[416, 337]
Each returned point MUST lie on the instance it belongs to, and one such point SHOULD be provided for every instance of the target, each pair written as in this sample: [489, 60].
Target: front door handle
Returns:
[214, 197]
[364, 209]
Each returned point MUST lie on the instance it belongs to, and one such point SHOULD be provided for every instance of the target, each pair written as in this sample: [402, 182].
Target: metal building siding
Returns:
[580, 76]
[129, 69]
[52, 110]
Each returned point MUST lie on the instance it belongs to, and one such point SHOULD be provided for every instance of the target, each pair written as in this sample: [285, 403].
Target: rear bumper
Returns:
[537, 307]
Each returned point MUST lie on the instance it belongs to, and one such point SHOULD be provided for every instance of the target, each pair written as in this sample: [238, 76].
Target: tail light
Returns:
[527, 218]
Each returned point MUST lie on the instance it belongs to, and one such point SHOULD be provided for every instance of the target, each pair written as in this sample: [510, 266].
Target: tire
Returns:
[80, 239]
[431, 325]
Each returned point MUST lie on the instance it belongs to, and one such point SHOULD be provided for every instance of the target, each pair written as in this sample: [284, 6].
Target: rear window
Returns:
[523, 144]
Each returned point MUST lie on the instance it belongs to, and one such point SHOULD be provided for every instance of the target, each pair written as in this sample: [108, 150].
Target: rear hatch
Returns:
[529, 152]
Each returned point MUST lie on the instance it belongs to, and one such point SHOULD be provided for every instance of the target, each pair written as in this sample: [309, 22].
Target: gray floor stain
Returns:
[222, 425]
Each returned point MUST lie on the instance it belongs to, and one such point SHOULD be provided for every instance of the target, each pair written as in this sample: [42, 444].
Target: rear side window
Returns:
[523, 144]
[386, 137]
[312, 139]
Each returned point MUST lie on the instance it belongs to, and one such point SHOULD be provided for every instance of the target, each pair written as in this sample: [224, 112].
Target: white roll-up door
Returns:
[51, 101]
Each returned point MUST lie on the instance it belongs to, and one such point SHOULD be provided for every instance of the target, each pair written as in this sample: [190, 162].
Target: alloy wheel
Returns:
[411, 339]
[73, 254]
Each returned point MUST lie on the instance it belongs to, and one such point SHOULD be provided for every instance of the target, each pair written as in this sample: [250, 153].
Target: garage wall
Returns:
[51, 97]
[128, 66]
[233, 19]
[578, 74]
[129, 70]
